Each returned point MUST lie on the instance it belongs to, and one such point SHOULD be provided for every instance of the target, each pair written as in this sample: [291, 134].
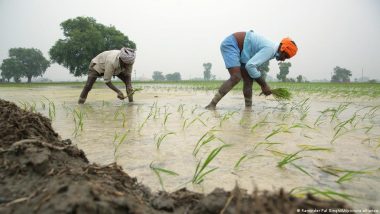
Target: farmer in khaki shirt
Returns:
[107, 64]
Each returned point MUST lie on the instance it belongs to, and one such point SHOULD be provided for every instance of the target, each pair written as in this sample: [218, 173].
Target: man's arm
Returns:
[252, 65]
[107, 79]
[128, 83]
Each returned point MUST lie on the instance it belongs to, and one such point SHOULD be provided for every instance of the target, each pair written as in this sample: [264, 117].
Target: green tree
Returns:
[264, 69]
[207, 72]
[84, 39]
[341, 75]
[173, 77]
[299, 78]
[12, 67]
[158, 76]
[284, 70]
[34, 63]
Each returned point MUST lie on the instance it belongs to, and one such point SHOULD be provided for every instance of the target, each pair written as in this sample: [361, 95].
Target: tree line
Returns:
[84, 38]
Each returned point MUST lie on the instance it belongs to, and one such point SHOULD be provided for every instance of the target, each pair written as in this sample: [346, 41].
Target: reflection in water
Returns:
[333, 138]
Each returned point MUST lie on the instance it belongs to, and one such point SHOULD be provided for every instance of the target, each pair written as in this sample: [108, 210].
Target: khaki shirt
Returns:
[108, 63]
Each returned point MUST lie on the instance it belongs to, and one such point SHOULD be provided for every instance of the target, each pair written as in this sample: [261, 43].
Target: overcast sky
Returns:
[180, 35]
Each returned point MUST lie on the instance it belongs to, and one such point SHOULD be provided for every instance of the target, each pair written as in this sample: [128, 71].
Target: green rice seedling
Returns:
[161, 138]
[118, 144]
[196, 119]
[51, 108]
[319, 121]
[200, 172]
[158, 170]
[226, 117]
[166, 118]
[314, 148]
[194, 109]
[180, 109]
[274, 132]
[124, 116]
[144, 122]
[205, 139]
[265, 143]
[245, 157]
[339, 133]
[349, 175]
[281, 94]
[78, 116]
[344, 123]
[43, 105]
[184, 123]
[237, 164]
[260, 123]
[327, 193]
[289, 158]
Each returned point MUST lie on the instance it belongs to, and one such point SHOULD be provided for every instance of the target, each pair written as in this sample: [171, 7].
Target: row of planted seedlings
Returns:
[284, 119]
[295, 117]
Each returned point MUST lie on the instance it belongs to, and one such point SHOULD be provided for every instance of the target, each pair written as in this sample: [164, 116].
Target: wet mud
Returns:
[41, 173]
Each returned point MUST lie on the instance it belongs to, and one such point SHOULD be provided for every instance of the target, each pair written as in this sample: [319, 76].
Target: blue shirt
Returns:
[256, 51]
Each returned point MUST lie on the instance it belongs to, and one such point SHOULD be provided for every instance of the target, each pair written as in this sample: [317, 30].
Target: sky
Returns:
[180, 35]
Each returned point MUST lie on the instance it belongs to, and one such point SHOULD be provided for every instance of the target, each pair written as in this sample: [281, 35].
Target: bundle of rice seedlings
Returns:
[281, 94]
[136, 89]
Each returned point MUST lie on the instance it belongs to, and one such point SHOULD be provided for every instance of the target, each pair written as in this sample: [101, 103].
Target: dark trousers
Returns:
[91, 79]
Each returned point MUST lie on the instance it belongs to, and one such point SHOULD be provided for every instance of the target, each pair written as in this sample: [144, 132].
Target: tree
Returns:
[341, 75]
[264, 69]
[158, 76]
[12, 67]
[284, 70]
[173, 77]
[299, 78]
[207, 72]
[33, 62]
[85, 38]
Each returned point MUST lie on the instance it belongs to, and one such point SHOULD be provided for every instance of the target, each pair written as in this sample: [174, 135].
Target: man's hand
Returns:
[120, 95]
[265, 90]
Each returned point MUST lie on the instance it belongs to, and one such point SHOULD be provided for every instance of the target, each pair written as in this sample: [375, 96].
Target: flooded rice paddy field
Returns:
[328, 144]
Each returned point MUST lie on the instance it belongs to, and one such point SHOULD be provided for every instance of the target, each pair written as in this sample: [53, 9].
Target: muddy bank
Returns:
[41, 173]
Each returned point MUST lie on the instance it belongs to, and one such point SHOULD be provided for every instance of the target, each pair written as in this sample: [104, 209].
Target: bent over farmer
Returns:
[243, 53]
[107, 64]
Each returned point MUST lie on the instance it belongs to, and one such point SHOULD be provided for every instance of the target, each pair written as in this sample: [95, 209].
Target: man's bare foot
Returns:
[81, 100]
[211, 106]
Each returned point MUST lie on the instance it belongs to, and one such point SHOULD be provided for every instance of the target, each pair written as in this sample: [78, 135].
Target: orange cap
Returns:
[289, 47]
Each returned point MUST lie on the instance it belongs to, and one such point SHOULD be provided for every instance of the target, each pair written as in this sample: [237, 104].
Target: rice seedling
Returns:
[206, 138]
[118, 144]
[243, 158]
[158, 170]
[289, 158]
[327, 193]
[260, 123]
[78, 116]
[237, 164]
[265, 143]
[51, 108]
[200, 172]
[226, 117]
[136, 90]
[349, 175]
[195, 119]
[281, 94]
[144, 122]
[161, 138]
[180, 109]
[166, 118]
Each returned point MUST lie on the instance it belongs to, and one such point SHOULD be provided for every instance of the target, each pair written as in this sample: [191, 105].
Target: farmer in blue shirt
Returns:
[243, 53]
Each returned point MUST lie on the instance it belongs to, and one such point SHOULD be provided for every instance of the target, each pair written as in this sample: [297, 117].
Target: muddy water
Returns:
[263, 135]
